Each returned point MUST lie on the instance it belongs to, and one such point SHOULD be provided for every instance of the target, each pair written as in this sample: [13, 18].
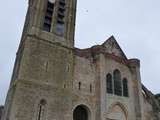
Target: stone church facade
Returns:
[53, 80]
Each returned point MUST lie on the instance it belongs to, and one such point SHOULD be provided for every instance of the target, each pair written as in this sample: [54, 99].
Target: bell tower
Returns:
[52, 20]
[41, 83]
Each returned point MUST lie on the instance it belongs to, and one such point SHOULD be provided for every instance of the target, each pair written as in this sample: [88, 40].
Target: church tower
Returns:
[41, 83]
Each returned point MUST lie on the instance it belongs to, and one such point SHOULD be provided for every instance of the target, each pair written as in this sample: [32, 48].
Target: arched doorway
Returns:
[80, 113]
[117, 112]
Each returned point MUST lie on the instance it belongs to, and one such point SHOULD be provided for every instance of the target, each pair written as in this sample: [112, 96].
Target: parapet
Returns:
[134, 62]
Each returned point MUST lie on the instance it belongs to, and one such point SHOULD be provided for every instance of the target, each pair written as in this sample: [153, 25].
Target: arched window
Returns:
[61, 17]
[117, 83]
[109, 83]
[80, 113]
[125, 87]
[48, 15]
[41, 110]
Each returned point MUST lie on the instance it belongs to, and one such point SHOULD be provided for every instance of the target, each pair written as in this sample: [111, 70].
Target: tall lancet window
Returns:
[109, 83]
[48, 15]
[61, 17]
[117, 83]
[41, 110]
[125, 87]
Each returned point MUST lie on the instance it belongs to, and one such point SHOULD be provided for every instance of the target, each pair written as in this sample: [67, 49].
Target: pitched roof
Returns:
[112, 46]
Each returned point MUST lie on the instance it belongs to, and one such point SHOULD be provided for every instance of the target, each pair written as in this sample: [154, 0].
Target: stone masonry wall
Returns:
[1, 110]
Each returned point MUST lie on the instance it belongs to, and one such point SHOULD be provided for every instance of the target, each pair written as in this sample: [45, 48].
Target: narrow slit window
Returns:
[48, 16]
[41, 110]
[79, 85]
[109, 83]
[90, 88]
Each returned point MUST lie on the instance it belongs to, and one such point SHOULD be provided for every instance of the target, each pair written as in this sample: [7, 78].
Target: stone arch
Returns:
[81, 112]
[117, 111]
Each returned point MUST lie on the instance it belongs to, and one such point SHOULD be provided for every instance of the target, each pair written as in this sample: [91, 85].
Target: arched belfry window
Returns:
[41, 110]
[61, 17]
[125, 87]
[117, 83]
[109, 83]
[48, 15]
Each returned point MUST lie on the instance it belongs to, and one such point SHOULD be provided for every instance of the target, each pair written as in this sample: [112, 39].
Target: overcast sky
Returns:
[134, 23]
